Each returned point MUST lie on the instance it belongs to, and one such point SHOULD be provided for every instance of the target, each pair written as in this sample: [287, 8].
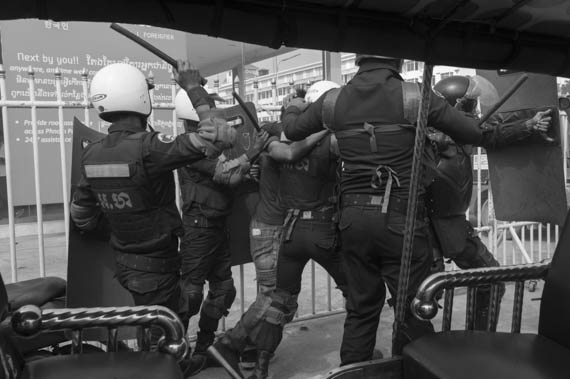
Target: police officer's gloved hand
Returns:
[231, 172]
[217, 131]
[186, 75]
[258, 145]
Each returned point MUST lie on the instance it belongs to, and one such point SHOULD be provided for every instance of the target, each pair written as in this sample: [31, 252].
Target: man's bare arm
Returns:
[294, 151]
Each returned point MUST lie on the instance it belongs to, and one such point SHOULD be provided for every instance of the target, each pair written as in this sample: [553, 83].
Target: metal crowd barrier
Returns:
[523, 249]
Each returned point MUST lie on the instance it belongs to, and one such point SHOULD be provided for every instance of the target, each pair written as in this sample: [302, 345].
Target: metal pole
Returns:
[35, 143]
[63, 159]
[407, 248]
[9, 193]
[85, 82]
[313, 288]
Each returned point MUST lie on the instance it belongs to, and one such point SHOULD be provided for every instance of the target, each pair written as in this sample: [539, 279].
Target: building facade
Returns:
[268, 88]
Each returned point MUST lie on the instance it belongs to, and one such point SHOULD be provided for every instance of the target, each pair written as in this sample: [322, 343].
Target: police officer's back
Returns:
[373, 118]
[127, 177]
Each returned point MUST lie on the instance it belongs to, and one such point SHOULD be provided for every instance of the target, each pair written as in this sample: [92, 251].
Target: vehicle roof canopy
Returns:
[529, 35]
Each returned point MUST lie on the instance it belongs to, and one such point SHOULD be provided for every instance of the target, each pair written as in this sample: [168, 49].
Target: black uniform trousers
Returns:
[205, 253]
[310, 239]
[371, 251]
[155, 288]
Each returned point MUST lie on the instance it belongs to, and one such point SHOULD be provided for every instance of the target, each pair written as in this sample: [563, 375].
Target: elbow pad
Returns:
[217, 130]
[206, 147]
[85, 218]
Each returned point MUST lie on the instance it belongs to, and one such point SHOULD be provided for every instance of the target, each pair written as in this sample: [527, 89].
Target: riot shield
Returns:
[91, 261]
[236, 117]
[245, 195]
[527, 180]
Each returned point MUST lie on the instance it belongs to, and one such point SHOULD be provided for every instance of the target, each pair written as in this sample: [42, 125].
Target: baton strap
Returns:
[289, 223]
[376, 183]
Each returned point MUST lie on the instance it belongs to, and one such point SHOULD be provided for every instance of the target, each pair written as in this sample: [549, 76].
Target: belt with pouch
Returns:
[205, 222]
[147, 264]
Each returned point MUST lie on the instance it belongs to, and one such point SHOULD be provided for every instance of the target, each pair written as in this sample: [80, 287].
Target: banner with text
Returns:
[71, 47]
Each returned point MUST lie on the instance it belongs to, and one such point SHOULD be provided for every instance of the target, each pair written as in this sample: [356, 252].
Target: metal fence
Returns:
[511, 243]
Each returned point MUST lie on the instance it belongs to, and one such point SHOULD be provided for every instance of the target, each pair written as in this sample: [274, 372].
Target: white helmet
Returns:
[184, 108]
[120, 87]
[318, 89]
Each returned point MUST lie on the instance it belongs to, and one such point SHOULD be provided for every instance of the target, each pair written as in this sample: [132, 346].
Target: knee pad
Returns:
[195, 294]
[220, 299]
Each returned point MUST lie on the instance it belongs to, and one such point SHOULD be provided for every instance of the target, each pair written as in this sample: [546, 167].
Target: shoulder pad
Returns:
[329, 103]
[411, 96]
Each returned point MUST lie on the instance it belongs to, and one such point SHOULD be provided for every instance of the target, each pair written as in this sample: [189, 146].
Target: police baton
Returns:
[153, 49]
[503, 99]
[247, 112]
[234, 374]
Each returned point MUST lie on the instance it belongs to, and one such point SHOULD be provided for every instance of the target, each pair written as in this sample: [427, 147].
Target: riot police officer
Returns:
[373, 118]
[266, 224]
[127, 176]
[206, 202]
[450, 193]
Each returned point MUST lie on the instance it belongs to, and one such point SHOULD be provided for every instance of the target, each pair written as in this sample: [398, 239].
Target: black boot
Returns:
[261, 370]
[482, 307]
[248, 358]
[192, 365]
[203, 342]
[222, 352]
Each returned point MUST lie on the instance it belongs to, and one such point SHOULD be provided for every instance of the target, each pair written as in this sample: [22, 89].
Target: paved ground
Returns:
[309, 348]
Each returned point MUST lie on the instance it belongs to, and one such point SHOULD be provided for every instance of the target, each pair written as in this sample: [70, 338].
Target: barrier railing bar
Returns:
[35, 148]
[63, 160]
[9, 186]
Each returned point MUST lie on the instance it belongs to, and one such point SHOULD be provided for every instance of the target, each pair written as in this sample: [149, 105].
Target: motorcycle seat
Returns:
[121, 365]
[35, 291]
[470, 355]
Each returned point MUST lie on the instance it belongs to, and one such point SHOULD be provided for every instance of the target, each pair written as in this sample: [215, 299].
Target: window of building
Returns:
[412, 66]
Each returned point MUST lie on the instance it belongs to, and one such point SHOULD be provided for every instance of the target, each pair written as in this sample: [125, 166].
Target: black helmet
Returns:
[360, 57]
[452, 88]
